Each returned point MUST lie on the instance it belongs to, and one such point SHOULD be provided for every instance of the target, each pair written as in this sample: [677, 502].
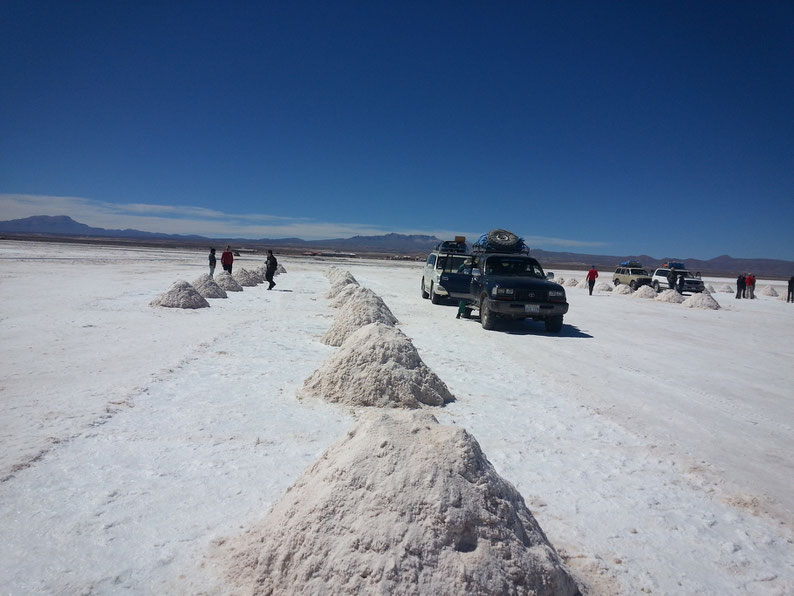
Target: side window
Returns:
[431, 260]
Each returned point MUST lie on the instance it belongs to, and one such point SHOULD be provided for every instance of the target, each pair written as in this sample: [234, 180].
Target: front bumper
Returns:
[523, 310]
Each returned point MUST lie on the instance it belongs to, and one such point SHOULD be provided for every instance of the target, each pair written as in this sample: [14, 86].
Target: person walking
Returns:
[740, 287]
[271, 264]
[680, 283]
[749, 283]
[227, 258]
[790, 295]
[212, 262]
[592, 275]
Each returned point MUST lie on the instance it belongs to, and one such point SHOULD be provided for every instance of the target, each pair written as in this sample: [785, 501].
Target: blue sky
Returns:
[664, 128]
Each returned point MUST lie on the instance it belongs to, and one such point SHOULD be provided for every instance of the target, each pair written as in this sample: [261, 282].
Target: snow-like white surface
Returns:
[652, 443]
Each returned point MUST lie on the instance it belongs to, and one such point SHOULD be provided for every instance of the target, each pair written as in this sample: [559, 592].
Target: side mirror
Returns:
[549, 275]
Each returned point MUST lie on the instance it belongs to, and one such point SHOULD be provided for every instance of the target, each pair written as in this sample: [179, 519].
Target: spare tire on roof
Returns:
[502, 239]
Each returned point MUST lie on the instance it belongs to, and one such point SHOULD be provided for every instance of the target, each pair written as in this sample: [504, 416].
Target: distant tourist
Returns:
[212, 262]
[592, 275]
[740, 287]
[227, 258]
[271, 264]
[680, 283]
[672, 277]
[749, 284]
[790, 295]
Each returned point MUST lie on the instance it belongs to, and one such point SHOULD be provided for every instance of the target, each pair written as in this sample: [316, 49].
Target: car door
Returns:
[456, 276]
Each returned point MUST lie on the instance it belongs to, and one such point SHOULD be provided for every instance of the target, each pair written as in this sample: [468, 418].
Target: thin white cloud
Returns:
[174, 219]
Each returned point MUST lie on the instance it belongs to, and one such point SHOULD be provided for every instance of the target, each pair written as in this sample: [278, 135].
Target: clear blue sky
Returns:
[664, 128]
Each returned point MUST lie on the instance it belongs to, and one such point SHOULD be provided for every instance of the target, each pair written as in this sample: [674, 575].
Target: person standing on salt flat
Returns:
[212, 261]
[271, 264]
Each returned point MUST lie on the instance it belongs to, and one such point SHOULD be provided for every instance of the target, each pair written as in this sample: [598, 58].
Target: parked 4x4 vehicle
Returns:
[448, 257]
[632, 274]
[660, 280]
[503, 281]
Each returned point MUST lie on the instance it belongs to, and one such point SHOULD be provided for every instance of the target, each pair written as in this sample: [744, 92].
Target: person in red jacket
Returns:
[749, 282]
[227, 258]
[591, 277]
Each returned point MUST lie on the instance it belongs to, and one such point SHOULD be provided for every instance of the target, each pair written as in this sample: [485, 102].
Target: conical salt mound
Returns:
[280, 270]
[207, 287]
[603, 287]
[334, 274]
[181, 295]
[670, 296]
[571, 282]
[644, 292]
[768, 291]
[245, 278]
[728, 289]
[227, 282]
[401, 505]
[340, 283]
[704, 301]
[348, 292]
[623, 289]
[711, 289]
[259, 274]
[362, 309]
[378, 366]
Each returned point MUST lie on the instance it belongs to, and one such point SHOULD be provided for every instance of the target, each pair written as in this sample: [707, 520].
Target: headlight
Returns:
[503, 292]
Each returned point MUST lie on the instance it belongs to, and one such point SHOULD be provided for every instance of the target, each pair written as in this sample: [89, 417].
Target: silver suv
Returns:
[448, 257]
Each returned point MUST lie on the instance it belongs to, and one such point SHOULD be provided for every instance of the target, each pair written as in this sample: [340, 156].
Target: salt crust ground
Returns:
[227, 282]
[362, 309]
[377, 365]
[703, 301]
[181, 295]
[207, 287]
[245, 278]
[402, 505]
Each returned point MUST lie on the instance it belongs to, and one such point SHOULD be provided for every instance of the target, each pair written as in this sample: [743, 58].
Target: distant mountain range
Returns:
[45, 226]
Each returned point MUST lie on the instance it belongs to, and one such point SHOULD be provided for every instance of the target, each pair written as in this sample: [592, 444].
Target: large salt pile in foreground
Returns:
[644, 292]
[245, 278]
[704, 301]
[181, 295]
[378, 366]
[207, 287]
[227, 282]
[401, 505]
[768, 291]
[361, 309]
[670, 296]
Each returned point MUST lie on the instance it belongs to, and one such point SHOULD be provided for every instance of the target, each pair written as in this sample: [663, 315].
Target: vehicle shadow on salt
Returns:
[537, 328]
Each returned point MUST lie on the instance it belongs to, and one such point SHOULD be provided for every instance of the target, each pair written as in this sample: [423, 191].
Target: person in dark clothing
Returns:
[790, 295]
[680, 283]
[671, 278]
[212, 262]
[271, 264]
[740, 286]
[227, 258]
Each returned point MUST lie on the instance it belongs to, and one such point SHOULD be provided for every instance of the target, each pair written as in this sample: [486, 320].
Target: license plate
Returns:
[531, 308]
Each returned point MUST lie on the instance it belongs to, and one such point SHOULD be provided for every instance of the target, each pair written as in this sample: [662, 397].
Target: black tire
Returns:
[434, 298]
[617, 282]
[487, 318]
[502, 239]
[633, 285]
[553, 324]
[656, 286]
[425, 295]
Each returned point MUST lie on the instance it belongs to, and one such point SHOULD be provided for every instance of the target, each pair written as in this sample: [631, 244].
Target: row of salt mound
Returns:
[207, 287]
[181, 295]
[245, 278]
[362, 308]
[401, 505]
[377, 365]
[227, 282]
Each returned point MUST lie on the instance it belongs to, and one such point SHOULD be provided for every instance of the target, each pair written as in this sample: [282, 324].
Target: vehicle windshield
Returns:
[638, 272]
[451, 263]
[514, 266]
[678, 272]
